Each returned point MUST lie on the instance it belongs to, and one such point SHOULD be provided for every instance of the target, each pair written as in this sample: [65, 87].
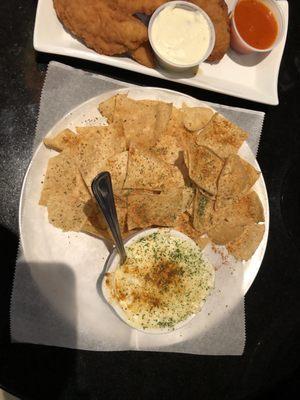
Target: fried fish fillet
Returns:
[217, 11]
[101, 27]
[144, 55]
[137, 6]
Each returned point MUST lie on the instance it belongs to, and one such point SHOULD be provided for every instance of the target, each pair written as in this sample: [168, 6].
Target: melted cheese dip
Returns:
[180, 36]
[163, 281]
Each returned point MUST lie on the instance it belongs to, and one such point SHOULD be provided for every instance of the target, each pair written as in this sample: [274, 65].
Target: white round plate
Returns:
[84, 255]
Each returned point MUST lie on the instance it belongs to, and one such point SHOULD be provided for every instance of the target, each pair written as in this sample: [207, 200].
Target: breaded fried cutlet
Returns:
[105, 29]
[217, 10]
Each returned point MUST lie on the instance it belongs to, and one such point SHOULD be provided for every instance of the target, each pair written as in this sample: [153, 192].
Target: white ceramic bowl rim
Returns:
[279, 18]
[189, 6]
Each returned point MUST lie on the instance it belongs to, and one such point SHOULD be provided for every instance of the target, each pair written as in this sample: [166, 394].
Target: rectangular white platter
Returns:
[253, 77]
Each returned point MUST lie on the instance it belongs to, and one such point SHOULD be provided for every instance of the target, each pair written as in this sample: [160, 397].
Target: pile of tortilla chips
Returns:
[170, 167]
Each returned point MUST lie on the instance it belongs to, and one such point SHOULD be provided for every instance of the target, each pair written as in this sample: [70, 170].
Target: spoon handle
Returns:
[103, 192]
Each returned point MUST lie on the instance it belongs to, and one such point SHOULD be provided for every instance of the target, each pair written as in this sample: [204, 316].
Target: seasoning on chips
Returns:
[222, 136]
[232, 220]
[145, 209]
[63, 177]
[245, 245]
[107, 108]
[66, 212]
[204, 216]
[236, 180]
[169, 166]
[146, 171]
[195, 118]
[63, 140]
[95, 146]
[204, 168]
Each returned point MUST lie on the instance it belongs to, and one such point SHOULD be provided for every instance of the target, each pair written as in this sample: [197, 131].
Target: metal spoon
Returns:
[103, 192]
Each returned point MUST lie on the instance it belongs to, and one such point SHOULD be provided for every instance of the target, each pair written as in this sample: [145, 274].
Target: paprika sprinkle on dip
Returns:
[256, 23]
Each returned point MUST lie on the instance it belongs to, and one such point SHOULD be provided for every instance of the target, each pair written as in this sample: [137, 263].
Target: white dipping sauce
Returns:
[180, 36]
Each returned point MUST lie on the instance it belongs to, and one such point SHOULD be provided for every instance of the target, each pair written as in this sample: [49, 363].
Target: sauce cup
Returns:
[113, 262]
[162, 59]
[238, 44]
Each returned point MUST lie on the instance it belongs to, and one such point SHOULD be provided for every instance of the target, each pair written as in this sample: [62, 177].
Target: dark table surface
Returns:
[270, 363]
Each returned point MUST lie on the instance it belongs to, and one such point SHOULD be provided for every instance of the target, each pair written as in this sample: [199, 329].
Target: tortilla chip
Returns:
[195, 118]
[247, 209]
[186, 159]
[204, 167]
[236, 180]
[252, 174]
[63, 177]
[233, 219]
[127, 234]
[86, 130]
[170, 150]
[91, 227]
[188, 195]
[183, 224]
[96, 146]
[181, 165]
[81, 191]
[145, 209]
[204, 216]
[163, 115]
[225, 232]
[222, 136]
[252, 205]
[104, 130]
[93, 230]
[233, 179]
[145, 171]
[121, 99]
[167, 149]
[96, 225]
[63, 140]
[138, 119]
[176, 128]
[245, 246]
[115, 165]
[66, 212]
[121, 203]
[206, 194]
[94, 214]
[107, 108]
